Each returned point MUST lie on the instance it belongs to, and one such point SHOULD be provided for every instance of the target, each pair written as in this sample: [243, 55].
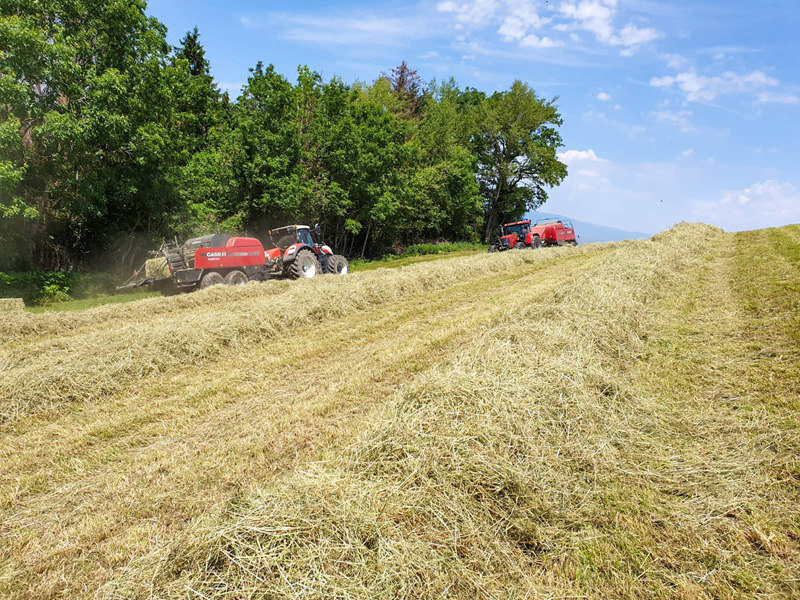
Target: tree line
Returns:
[111, 139]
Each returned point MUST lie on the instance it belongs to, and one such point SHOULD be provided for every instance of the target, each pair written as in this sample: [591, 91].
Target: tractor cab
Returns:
[512, 234]
[283, 237]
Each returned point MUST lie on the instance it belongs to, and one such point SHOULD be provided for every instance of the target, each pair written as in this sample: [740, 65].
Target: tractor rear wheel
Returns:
[338, 265]
[305, 264]
[211, 278]
[536, 243]
[236, 278]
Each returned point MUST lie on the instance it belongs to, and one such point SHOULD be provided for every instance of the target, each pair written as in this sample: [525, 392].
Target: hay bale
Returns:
[156, 267]
[11, 305]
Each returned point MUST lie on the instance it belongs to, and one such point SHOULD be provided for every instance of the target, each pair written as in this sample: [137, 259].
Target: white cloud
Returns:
[674, 61]
[597, 17]
[431, 54]
[633, 36]
[679, 119]
[688, 153]
[603, 96]
[572, 157]
[475, 13]
[533, 41]
[363, 29]
[771, 97]
[760, 205]
[521, 18]
[699, 88]
[522, 21]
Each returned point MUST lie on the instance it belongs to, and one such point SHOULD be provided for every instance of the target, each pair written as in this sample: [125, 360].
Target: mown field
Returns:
[608, 421]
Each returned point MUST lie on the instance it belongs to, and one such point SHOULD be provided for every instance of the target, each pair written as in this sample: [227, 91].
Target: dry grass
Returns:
[113, 347]
[617, 422]
[11, 305]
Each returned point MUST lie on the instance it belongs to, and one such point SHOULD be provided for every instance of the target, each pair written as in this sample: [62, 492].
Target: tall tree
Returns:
[407, 85]
[85, 87]
[516, 142]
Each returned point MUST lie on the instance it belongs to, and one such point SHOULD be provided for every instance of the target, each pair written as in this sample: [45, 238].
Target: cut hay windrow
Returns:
[38, 375]
[11, 305]
[35, 325]
[526, 468]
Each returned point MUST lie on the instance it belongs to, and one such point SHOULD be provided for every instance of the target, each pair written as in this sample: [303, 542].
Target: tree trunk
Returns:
[491, 225]
[491, 217]
[366, 239]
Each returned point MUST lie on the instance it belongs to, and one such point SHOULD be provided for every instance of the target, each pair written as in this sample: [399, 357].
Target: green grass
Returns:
[85, 303]
[393, 262]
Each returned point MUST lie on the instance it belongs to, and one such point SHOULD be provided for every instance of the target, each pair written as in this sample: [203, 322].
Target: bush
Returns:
[45, 287]
[423, 249]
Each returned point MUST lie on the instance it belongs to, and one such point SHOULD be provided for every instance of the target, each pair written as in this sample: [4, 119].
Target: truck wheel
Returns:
[338, 265]
[211, 278]
[235, 278]
[573, 243]
[305, 264]
[520, 245]
[536, 243]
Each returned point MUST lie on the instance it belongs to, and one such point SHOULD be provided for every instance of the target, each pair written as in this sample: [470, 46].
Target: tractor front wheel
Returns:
[338, 265]
[305, 264]
[520, 245]
[536, 243]
[236, 278]
[211, 278]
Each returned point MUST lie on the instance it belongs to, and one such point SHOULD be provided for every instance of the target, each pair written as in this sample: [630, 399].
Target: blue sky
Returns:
[673, 110]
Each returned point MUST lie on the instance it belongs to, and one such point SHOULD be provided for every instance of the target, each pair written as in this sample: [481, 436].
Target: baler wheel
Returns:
[235, 278]
[536, 243]
[305, 264]
[211, 278]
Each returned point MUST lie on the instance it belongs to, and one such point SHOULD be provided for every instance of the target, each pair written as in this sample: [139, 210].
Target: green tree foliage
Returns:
[516, 142]
[110, 139]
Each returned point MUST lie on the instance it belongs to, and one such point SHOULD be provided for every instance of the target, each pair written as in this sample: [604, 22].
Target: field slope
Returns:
[612, 420]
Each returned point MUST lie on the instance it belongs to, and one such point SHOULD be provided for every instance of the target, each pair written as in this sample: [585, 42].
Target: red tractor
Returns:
[220, 258]
[546, 232]
[296, 254]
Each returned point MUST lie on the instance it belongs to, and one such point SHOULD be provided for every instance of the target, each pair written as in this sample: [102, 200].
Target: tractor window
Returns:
[518, 228]
[286, 240]
[304, 235]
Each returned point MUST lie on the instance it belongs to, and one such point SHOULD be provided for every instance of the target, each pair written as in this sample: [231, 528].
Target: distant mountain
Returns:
[589, 232]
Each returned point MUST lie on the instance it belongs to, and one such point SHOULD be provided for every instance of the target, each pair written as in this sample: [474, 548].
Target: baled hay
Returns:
[156, 267]
[519, 471]
[11, 305]
[39, 375]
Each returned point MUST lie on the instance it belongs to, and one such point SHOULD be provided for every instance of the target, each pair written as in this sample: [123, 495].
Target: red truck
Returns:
[219, 258]
[545, 232]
